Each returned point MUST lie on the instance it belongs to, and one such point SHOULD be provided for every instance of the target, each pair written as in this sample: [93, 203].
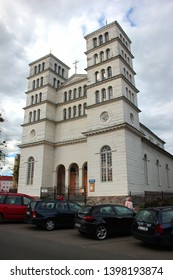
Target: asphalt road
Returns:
[20, 241]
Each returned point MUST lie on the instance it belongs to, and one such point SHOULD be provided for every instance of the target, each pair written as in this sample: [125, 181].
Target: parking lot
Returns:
[23, 241]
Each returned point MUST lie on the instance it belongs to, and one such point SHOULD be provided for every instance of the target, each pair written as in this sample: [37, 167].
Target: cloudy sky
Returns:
[30, 29]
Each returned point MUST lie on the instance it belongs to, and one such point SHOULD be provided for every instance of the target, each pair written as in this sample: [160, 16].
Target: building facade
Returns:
[83, 132]
[6, 183]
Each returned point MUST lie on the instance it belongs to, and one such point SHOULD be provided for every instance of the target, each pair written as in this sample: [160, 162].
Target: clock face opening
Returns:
[104, 116]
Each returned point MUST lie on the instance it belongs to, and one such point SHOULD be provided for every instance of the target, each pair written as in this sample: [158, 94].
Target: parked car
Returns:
[154, 225]
[51, 214]
[102, 220]
[13, 206]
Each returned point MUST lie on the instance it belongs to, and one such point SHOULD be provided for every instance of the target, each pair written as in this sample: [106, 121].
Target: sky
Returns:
[30, 29]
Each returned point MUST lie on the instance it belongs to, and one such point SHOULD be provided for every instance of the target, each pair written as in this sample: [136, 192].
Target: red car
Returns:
[13, 206]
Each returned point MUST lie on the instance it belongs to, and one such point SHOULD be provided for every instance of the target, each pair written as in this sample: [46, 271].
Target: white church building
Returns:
[82, 133]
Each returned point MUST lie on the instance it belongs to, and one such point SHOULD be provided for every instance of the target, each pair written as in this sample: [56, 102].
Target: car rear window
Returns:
[85, 210]
[148, 216]
[167, 217]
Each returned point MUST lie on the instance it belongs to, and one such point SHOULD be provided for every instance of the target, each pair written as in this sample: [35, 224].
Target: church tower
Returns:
[113, 131]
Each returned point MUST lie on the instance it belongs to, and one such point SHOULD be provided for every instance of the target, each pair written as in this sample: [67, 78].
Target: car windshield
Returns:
[148, 216]
[85, 210]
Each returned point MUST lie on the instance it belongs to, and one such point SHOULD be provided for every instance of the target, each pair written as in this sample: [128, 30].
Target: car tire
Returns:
[49, 224]
[101, 232]
[1, 218]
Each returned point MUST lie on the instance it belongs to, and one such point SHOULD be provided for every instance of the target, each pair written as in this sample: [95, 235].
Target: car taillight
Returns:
[34, 214]
[88, 218]
[159, 229]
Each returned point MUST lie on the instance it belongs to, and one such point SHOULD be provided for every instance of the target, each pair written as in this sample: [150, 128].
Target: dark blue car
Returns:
[154, 225]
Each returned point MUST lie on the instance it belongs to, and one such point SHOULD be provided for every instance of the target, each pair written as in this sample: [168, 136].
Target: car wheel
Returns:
[101, 232]
[49, 224]
[1, 218]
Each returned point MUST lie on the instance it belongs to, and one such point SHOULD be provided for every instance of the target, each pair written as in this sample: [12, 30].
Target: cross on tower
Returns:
[75, 63]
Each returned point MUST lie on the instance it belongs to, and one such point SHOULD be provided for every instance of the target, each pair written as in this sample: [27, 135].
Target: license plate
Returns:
[143, 228]
[77, 225]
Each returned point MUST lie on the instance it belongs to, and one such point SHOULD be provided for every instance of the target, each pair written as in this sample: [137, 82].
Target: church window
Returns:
[43, 66]
[59, 69]
[96, 76]
[106, 164]
[101, 56]
[107, 53]
[39, 68]
[74, 111]
[63, 72]
[38, 114]
[79, 110]
[69, 112]
[54, 82]
[30, 171]
[33, 84]
[84, 108]
[103, 74]
[37, 82]
[32, 99]
[94, 42]
[146, 169]
[96, 58]
[103, 93]
[97, 96]
[41, 81]
[80, 91]
[65, 114]
[35, 70]
[40, 96]
[106, 37]
[158, 172]
[70, 95]
[55, 67]
[30, 116]
[167, 175]
[65, 96]
[100, 39]
[34, 116]
[109, 71]
[58, 83]
[85, 90]
[110, 93]
[36, 98]
[74, 93]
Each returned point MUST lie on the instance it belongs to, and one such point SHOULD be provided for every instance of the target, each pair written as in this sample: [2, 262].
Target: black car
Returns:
[103, 220]
[154, 225]
[51, 214]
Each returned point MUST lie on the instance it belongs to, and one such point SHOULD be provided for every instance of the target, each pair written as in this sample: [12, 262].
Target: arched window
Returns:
[43, 66]
[109, 71]
[30, 171]
[106, 37]
[101, 56]
[146, 169]
[69, 112]
[84, 108]
[37, 82]
[41, 81]
[96, 58]
[33, 84]
[63, 72]
[36, 98]
[55, 67]
[103, 74]
[96, 76]
[110, 93]
[100, 39]
[79, 110]
[94, 42]
[85, 90]
[106, 164]
[108, 55]
[65, 96]
[97, 96]
[80, 91]
[74, 111]
[35, 70]
[158, 172]
[32, 99]
[59, 69]
[103, 93]
[74, 93]
[34, 116]
[64, 114]
[70, 95]
[167, 175]
[40, 96]
[39, 68]
[30, 117]
[38, 114]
